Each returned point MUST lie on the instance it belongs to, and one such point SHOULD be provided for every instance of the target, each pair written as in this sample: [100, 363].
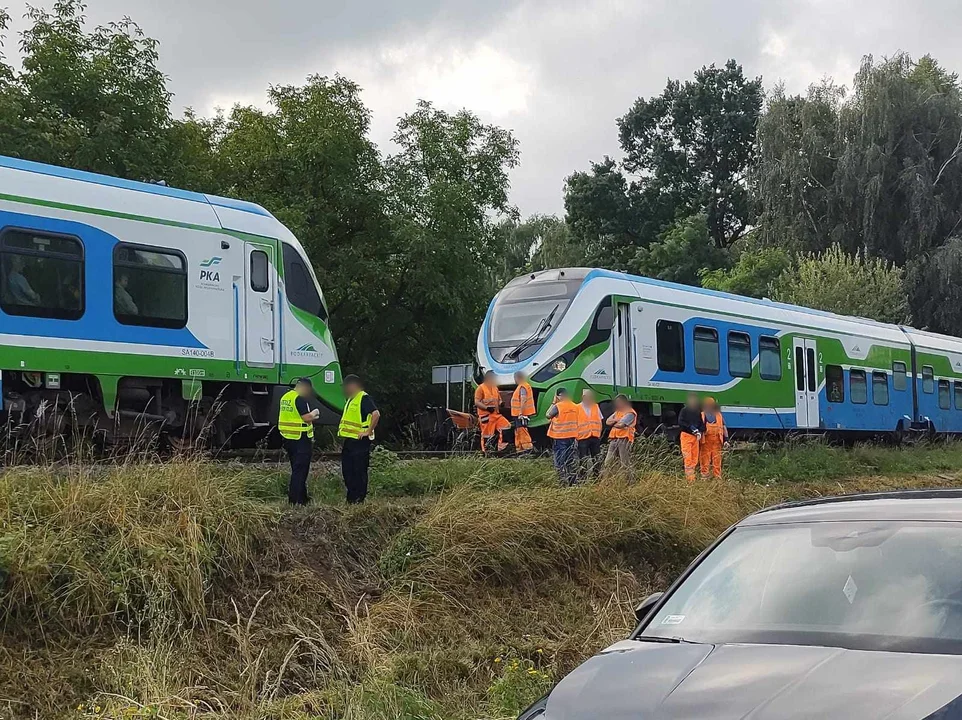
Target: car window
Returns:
[868, 585]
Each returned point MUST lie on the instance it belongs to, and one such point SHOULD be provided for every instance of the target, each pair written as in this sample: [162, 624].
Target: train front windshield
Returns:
[525, 313]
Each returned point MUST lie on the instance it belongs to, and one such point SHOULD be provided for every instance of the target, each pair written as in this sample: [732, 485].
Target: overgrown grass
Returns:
[461, 591]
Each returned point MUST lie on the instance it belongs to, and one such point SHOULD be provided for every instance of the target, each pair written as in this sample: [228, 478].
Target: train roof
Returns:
[777, 311]
[39, 183]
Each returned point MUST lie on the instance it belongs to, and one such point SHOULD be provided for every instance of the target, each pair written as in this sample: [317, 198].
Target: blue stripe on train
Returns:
[98, 322]
[689, 376]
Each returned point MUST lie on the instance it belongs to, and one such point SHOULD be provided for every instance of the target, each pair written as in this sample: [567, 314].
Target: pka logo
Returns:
[208, 273]
[600, 372]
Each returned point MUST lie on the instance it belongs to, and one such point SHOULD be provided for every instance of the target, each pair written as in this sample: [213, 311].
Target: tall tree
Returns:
[445, 186]
[934, 290]
[694, 143]
[90, 100]
[878, 171]
[687, 152]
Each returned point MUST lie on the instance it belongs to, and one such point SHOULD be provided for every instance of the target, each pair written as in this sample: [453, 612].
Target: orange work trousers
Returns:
[710, 454]
[493, 424]
[522, 439]
[689, 452]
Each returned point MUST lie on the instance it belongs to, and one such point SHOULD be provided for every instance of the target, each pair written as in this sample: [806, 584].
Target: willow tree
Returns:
[878, 170]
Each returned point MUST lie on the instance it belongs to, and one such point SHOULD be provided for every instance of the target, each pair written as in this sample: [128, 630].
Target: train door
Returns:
[259, 291]
[622, 339]
[806, 383]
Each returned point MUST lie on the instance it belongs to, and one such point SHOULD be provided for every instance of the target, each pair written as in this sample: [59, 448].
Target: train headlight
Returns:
[556, 366]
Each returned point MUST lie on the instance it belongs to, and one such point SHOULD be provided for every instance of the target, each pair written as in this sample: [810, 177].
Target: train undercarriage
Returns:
[66, 408]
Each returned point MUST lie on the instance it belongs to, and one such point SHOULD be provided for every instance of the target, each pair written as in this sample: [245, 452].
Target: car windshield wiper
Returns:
[543, 326]
[660, 639]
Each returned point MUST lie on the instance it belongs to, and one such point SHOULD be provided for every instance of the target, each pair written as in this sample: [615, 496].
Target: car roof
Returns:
[943, 505]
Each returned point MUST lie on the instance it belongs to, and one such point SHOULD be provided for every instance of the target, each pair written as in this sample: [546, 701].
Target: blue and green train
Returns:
[125, 305]
[773, 367]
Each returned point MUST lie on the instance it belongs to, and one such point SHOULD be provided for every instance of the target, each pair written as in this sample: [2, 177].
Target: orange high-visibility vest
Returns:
[715, 430]
[590, 422]
[522, 401]
[564, 425]
[627, 432]
[487, 394]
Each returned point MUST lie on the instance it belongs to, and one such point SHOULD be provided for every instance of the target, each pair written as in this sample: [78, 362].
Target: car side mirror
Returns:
[641, 612]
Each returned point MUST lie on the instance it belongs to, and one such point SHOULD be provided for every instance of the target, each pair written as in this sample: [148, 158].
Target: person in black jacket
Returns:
[692, 428]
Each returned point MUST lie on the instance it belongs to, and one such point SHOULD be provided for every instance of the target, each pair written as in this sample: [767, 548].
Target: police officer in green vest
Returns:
[356, 432]
[295, 421]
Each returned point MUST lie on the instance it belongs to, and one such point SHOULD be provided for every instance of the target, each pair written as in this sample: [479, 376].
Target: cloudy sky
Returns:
[556, 72]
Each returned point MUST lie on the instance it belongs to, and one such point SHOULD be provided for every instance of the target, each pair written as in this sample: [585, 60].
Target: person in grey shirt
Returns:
[19, 287]
[123, 302]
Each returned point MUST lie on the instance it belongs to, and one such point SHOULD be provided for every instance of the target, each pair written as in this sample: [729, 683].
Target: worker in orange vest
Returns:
[563, 430]
[591, 423]
[622, 422]
[716, 435]
[487, 400]
[522, 408]
[692, 426]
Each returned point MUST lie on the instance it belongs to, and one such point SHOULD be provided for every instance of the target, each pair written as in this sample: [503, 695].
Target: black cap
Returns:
[561, 392]
[304, 381]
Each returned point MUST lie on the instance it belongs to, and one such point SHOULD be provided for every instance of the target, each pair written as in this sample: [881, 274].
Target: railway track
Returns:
[254, 456]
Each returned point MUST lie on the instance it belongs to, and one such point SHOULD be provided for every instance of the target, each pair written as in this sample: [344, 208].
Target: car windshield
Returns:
[860, 585]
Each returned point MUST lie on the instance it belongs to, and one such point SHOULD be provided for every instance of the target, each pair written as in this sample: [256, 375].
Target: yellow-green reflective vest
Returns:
[289, 421]
[352, 424]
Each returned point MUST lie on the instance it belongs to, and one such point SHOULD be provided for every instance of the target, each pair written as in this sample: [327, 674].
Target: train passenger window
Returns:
[957, 386]
[670, 339]
[835, 383]
[769, 358]
[944, 400]
[799, 369]
[260, 271]
[739, 354]
[301, 290]
[41, 274]
[150, 286]
[856, 387]
[880, 388]
[928, 379]
[706, 351]
[899, 375]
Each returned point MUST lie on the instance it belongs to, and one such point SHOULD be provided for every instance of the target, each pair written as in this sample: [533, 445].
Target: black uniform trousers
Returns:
[589, 452]
[355, 463]
[299, 453]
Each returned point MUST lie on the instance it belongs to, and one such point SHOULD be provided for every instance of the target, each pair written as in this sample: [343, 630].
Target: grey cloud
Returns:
[583, 61]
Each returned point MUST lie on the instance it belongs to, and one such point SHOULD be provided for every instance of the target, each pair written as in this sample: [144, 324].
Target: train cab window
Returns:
[769, 358]
[944, 399]
[957, 387]
[670, 338]
[706, 351]
[899, 381]
[739, 354]
[260, 271]
[856, 387]
[928, 379]
[150, 286]
[301, 290]
[835, 383]
[41, 274]
[880, 388]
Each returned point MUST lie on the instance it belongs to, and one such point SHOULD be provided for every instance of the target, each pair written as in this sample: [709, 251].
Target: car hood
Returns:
[652, 681]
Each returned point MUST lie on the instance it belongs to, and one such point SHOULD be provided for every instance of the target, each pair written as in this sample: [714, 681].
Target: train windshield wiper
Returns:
[543, 326]
[660, 639]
